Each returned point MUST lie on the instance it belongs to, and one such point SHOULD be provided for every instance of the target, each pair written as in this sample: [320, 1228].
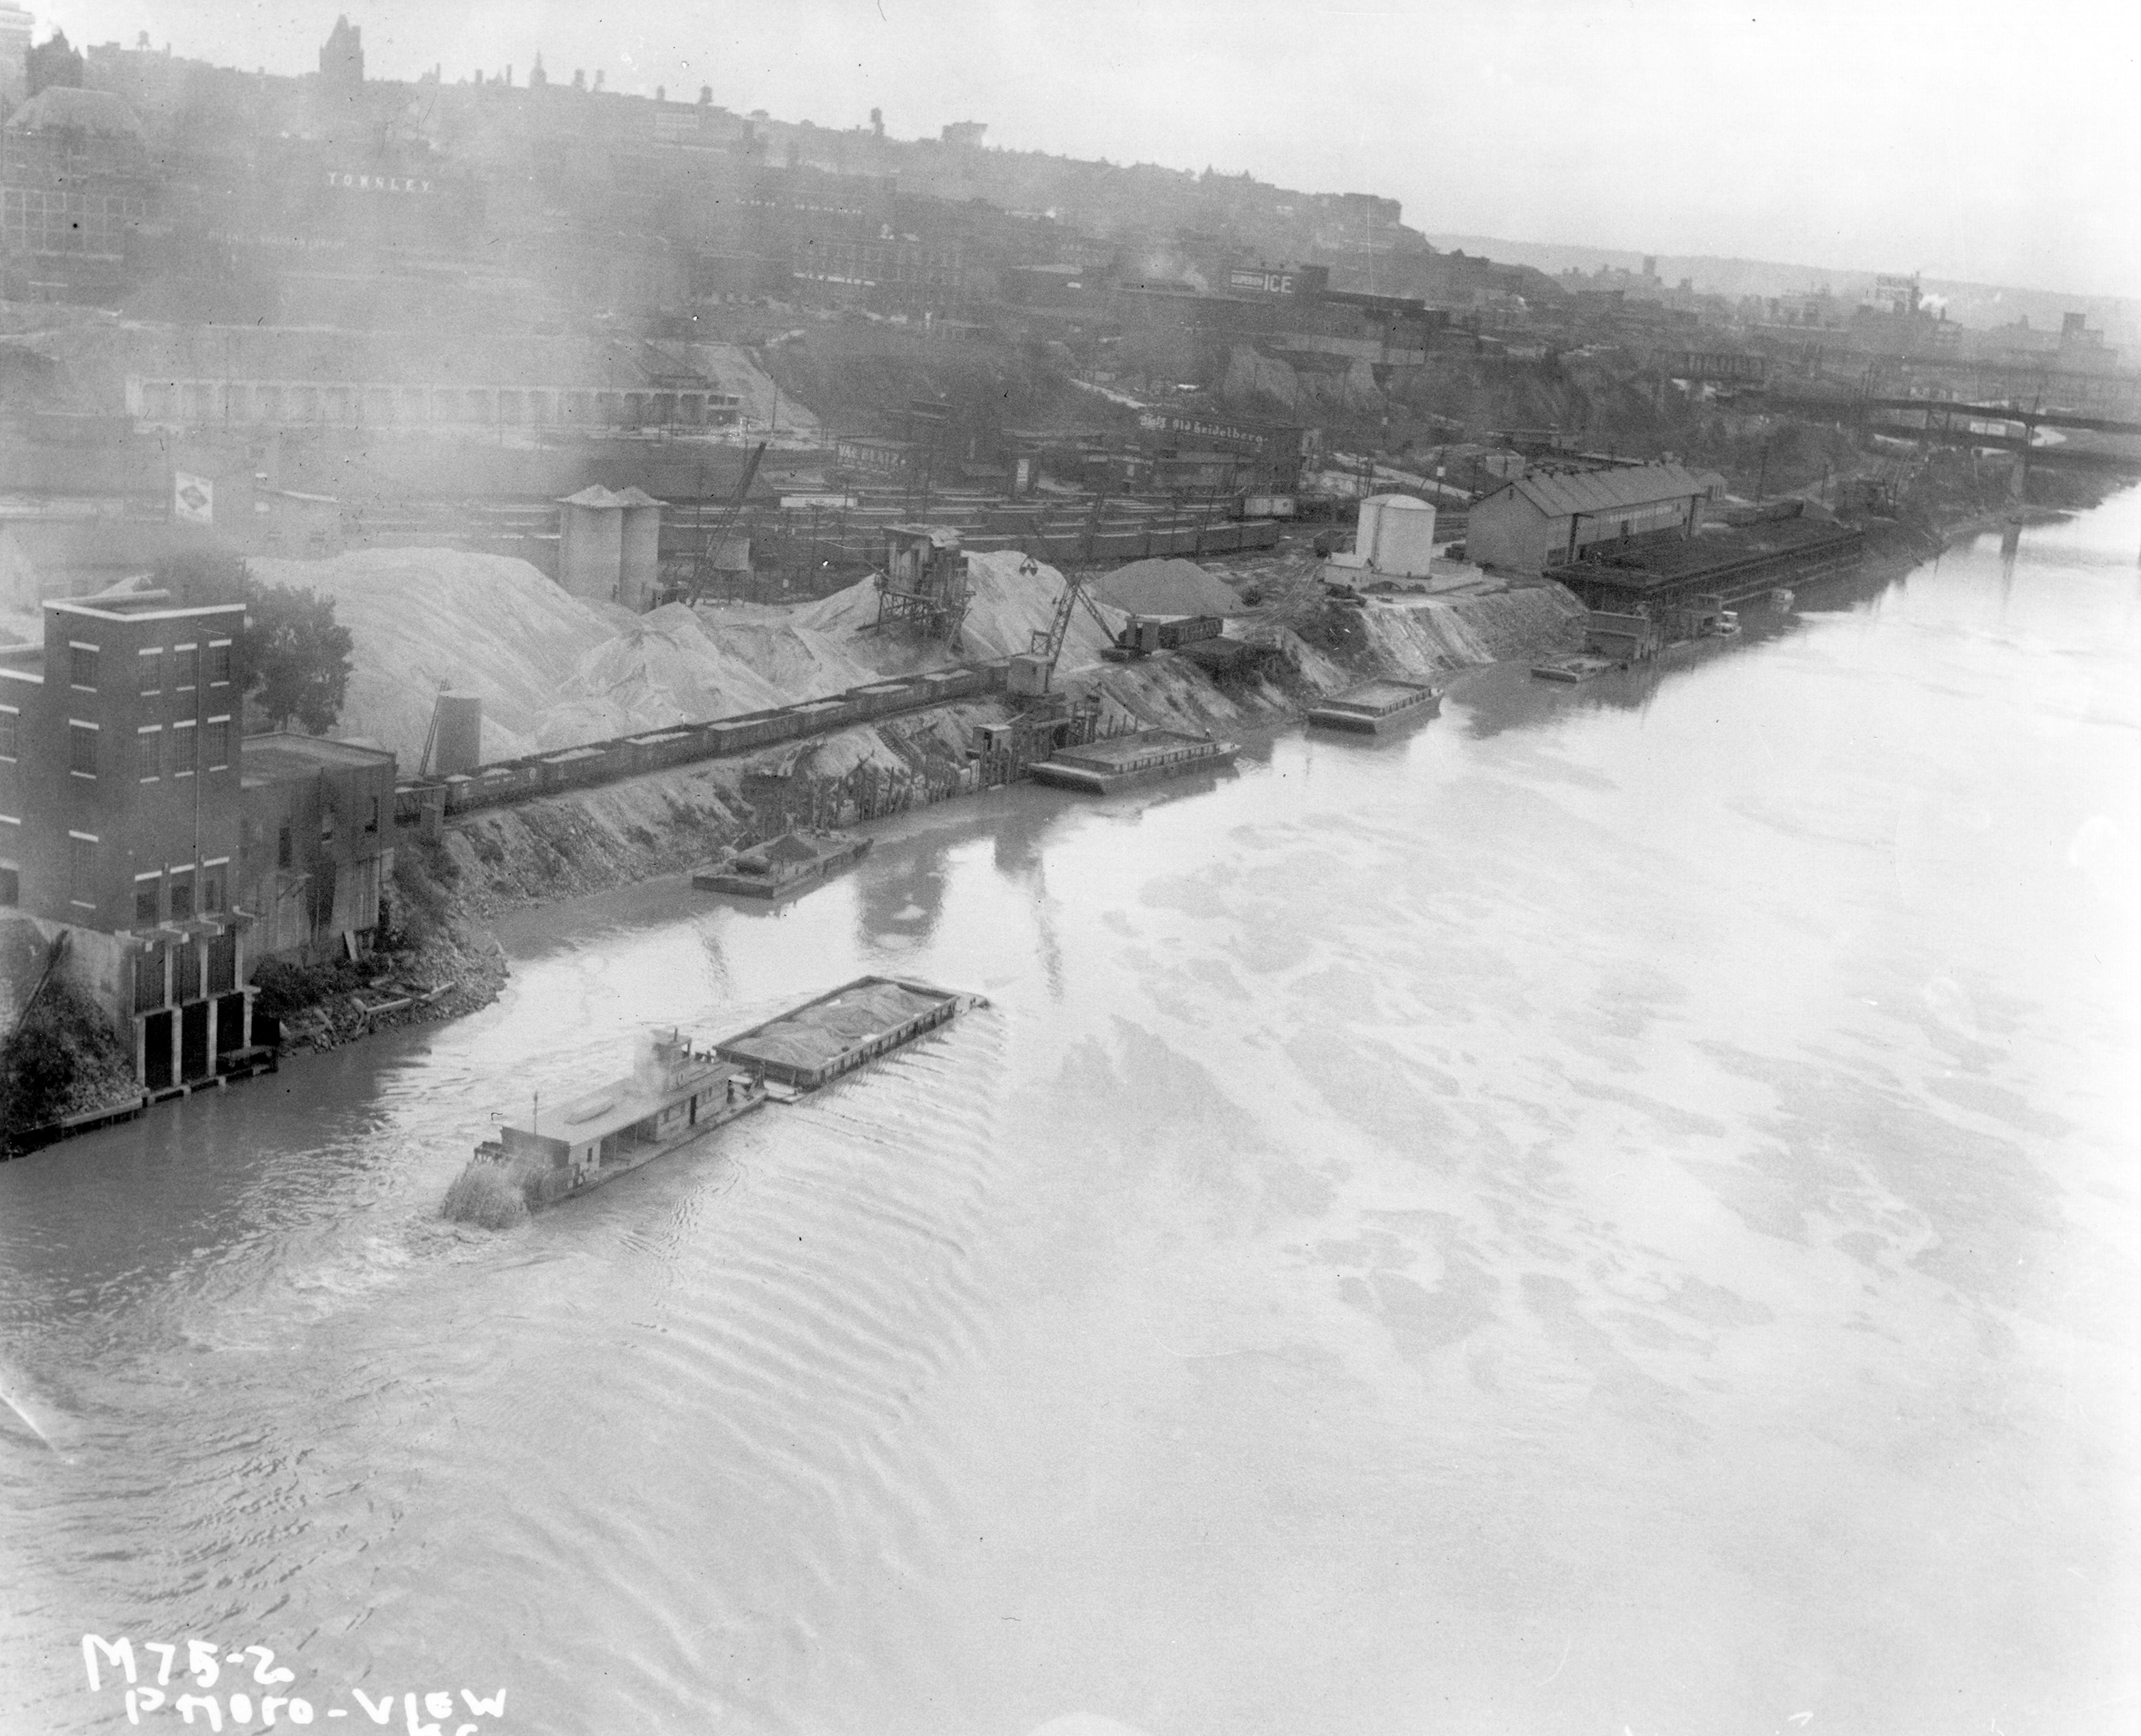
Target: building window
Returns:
[11, 885]
[149, 753]
[188, 672]
[211, 887]
[184, 749]
[282, 846]
[82, 870]
[371, 825]
[152, 670]
[219, 743]
[219, 664]
[81, 747]
[147, 905]
[182, 895]
[11, 732]
[82, 666]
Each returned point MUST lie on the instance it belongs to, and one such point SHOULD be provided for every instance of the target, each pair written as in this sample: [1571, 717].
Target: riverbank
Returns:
[665, 822]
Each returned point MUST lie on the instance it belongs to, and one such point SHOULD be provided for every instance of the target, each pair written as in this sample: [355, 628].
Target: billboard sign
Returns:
[192, 499]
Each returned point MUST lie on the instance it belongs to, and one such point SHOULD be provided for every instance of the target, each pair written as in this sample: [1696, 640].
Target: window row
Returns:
[183, 666]
[169, 895]
[188, 747]
[33, 201]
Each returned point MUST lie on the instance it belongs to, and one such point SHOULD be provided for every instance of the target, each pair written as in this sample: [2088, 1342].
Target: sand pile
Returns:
[552, 670]
[1013, 598]
[1167, 587]
[799, 661]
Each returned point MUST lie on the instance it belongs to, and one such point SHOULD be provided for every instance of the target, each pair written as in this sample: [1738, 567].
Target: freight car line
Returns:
[424, 803]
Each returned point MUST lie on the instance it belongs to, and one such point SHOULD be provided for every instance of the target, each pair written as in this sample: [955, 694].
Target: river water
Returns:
[1614, 1212]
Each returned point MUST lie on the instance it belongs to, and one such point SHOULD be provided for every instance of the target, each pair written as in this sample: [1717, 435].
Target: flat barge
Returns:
[676, 1093]
[1100, 768]
[839, 1031]
[1374, 706]
[1575, 669]
[793, 863]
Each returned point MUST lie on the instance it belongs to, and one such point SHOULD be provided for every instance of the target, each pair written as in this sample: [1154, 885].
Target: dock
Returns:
[1099, 768]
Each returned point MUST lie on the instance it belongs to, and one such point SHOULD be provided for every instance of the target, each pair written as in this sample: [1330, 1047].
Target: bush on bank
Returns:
[59, 1060]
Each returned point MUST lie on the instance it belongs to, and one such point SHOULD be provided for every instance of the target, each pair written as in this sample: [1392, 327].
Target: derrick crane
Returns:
[700, 574]
[1032, 670]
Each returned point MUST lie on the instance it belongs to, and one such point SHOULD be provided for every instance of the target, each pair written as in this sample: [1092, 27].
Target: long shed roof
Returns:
[1558, 494]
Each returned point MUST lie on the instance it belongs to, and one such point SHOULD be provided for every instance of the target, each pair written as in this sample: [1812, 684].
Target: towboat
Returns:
[1099, 768]
[675, 1095]
[792, 863]
[1377, 705]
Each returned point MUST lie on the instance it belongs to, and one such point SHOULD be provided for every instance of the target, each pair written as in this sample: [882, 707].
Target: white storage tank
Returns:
[1396, 535]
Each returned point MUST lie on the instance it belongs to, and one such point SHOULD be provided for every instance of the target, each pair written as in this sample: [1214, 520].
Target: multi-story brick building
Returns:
[120, 818]
[74, 186]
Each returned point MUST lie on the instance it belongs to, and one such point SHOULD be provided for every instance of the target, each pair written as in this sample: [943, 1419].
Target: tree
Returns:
[296, 657]
[293, 659]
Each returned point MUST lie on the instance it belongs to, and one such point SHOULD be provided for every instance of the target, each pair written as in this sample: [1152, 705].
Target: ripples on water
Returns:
[1611, 1210]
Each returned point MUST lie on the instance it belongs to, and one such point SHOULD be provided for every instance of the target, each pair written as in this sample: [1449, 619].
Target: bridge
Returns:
[1949, 423]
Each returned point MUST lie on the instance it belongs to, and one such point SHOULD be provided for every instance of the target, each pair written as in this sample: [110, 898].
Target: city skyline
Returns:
[1944, 172]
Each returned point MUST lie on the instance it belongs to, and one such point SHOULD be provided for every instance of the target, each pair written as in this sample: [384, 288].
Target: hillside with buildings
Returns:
[599, 422]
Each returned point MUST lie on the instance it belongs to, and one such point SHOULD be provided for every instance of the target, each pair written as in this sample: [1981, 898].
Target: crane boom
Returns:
[720, 531]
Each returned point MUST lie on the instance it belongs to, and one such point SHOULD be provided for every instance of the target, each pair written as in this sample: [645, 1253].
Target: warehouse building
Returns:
[1552, 514]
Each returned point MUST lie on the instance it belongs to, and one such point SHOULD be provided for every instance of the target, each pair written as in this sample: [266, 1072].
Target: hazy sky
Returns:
[1995, 141]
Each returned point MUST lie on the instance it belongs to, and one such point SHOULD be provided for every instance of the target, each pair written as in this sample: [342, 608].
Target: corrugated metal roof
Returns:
[1559, 493]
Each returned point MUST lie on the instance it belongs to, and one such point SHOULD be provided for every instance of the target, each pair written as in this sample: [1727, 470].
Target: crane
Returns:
[720, 531]
[1033, 669]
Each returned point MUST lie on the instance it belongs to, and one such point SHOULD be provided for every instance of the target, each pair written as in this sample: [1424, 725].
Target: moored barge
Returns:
[792, 863]
[1377, 705]
[1102, 767]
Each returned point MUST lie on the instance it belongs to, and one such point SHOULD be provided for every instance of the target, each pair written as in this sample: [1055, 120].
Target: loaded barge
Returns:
[678, 1092]
[837, 1032]
[1374, 706]
[792, 863]
[1102, 767]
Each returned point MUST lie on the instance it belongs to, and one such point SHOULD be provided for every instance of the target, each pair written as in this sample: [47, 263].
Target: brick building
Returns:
[74, 186]
[120, 818]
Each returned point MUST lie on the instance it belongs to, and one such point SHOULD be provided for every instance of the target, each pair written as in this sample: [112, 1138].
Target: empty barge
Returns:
[1374, 706]
[792, 863]
[675, 1095]
[841, 1031]
[1100, 767]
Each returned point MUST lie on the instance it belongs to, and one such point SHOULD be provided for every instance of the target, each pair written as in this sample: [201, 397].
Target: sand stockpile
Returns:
[552, 670]
[1013, 598]
[799, 661]
[1167, 587]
